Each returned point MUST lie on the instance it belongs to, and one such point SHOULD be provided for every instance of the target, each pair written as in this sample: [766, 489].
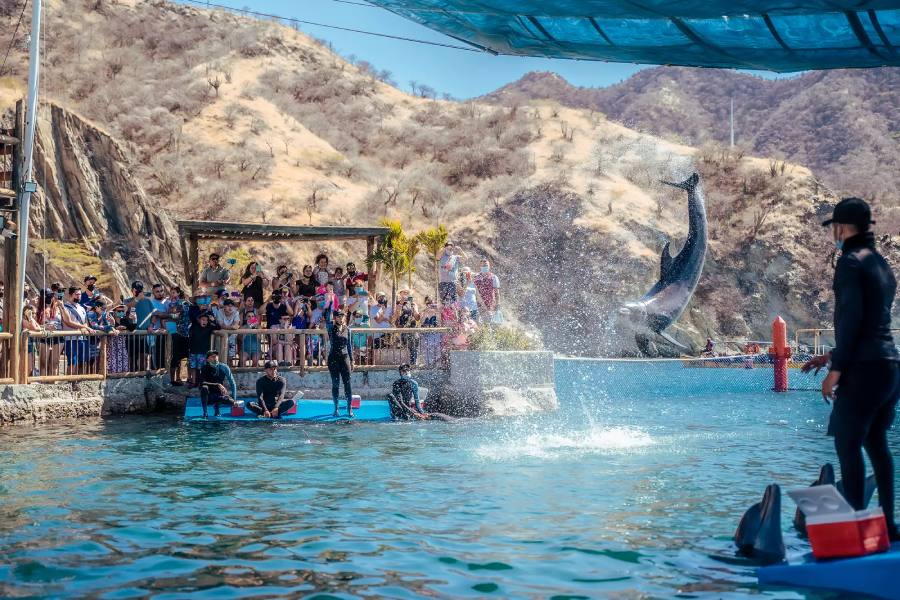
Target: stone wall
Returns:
[51, 401]
[497, 383]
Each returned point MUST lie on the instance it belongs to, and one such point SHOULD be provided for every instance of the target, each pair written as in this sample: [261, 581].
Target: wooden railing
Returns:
[6, 374]
[76, 356]
[818, 346]
[306, 350]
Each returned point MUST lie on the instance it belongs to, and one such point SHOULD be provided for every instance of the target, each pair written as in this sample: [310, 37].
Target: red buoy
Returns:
[780, 352]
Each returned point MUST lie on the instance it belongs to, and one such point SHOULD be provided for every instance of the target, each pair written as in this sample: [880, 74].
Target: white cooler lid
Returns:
[821, 501]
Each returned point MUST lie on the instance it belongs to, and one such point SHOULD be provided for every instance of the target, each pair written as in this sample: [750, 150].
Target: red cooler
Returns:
[835, 529]
[355, 401]
[237, 409]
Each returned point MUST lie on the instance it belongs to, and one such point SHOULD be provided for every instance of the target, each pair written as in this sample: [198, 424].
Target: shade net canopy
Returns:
[771, 35]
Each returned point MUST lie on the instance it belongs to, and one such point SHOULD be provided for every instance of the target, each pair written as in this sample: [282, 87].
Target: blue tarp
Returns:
[772, 35]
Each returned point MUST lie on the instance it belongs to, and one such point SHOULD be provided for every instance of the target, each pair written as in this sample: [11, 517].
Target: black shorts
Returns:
[180, 346]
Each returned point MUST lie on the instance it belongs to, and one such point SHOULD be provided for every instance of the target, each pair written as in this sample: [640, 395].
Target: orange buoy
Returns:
[780, 352]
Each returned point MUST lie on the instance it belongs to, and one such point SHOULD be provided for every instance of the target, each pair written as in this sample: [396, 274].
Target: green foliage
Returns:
[433, 240]
[392, 254]
[500, 338]
[74, 258]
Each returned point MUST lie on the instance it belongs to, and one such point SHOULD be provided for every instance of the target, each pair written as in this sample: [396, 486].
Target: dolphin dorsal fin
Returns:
[665, 262]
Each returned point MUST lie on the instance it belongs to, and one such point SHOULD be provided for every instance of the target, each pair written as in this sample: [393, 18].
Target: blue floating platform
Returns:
[875, 575]
[308, 410]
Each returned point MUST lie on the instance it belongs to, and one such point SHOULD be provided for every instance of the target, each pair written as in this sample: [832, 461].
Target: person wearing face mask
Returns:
[864, 360]
[488, 286]
[89, 293]
[213, 377]
[404, 399]
[448, 273]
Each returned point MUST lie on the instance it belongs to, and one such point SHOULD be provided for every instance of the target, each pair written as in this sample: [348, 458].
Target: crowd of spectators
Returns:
[253, 299]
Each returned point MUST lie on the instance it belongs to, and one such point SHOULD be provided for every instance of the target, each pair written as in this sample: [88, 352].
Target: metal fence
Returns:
[305, 350]
[76, 356]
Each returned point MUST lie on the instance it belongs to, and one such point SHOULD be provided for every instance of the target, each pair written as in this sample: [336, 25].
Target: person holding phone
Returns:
[214, 278]
[253, 282]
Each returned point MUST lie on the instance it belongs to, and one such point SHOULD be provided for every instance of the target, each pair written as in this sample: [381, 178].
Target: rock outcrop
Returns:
[89, 196]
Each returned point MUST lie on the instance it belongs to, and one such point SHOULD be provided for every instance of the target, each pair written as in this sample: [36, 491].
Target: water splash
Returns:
[595, 440]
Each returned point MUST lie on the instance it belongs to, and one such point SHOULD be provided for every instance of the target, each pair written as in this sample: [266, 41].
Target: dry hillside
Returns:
[844, 124]
[231, 118]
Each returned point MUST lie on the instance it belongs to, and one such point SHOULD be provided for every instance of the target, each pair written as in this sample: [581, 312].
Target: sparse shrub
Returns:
[504, 338]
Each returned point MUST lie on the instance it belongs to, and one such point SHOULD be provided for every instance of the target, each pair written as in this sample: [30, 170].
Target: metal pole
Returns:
[28, 185]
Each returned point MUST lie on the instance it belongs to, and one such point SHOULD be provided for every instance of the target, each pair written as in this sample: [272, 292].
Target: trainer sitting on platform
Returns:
[270, 390]
[404, 400]
[213, 376]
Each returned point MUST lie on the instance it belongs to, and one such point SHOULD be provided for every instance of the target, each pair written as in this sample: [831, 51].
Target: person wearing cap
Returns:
[89, 292]
[214, 277]
[340, 360]
[213, 377]
[864, 362]
[270, 389]
[448, 273]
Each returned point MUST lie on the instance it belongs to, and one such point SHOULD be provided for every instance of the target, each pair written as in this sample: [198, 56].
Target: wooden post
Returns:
[303, 353]
[12, 315]
[370, 250]
[193, 263]
[104, 352]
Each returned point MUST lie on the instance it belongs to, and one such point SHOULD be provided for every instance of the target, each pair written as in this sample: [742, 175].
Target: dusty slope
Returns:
[845, 124]
[231, 118]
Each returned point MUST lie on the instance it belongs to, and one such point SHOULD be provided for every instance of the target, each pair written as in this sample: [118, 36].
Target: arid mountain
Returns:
[230, 118]
[843, 124]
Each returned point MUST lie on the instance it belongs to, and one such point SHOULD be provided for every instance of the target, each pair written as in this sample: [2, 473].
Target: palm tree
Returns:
[433, 240]
[392, 254]
[413, 247]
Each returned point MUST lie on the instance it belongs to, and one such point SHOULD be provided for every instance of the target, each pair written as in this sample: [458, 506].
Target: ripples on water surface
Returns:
[625, 492]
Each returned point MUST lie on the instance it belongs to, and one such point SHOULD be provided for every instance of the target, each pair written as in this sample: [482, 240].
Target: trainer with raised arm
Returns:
[270, 389]
[213, 377]
[865, 366]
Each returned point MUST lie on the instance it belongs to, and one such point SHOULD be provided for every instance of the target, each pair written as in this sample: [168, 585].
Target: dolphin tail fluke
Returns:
[672, 340]
[688, 184]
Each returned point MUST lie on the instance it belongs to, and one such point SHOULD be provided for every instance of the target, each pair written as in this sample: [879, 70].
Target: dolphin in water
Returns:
[678, 276]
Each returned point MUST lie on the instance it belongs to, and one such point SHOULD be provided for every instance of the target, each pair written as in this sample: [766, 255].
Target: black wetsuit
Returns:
[271, 391]
[340, 357]
[404, 392]
[867, 359]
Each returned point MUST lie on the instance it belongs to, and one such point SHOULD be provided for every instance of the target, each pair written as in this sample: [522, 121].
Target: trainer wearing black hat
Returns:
[270, 390]
[864, 361]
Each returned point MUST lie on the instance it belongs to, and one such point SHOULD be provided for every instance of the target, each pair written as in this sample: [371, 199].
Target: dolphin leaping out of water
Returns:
[678, 276]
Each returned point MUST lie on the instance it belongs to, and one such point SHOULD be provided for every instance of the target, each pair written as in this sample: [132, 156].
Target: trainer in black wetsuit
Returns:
[213, 377]
[270, 390]
[404, 396]
[340, 359]
[864, 361]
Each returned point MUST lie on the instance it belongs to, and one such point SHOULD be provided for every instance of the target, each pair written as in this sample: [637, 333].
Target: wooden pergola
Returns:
[192, 232]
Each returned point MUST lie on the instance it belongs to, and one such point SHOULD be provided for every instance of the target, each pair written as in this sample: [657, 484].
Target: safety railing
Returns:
[305, 350]
[293, 349]
[137, 353]
[387, 348]
[6, 374]
[77, 356]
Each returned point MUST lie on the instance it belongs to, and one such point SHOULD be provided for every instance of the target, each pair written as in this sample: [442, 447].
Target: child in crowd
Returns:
[250, 341]
[339, 283]
[201, 342]
[284, 344]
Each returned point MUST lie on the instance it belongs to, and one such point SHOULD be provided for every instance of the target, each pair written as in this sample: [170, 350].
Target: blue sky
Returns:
[462, 74]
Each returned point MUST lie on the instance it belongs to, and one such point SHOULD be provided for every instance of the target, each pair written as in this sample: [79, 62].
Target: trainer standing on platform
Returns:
[865, 366]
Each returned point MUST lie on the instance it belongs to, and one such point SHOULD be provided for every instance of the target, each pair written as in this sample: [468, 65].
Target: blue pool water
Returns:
[628, 491]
